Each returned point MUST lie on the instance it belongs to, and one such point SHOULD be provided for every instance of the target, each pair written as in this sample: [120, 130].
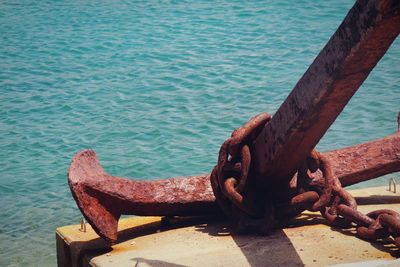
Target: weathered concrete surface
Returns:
[306, 241]
[73, 244]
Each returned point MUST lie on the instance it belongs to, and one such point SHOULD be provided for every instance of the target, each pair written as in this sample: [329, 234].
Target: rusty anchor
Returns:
[255, 177]
[102, 198]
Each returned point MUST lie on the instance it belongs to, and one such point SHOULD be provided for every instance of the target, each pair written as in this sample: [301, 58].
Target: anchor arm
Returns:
[102, 198]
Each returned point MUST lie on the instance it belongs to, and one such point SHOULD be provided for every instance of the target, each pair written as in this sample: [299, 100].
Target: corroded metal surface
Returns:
[102, 198]
[256, 208]
[366, 161]
[326, 87]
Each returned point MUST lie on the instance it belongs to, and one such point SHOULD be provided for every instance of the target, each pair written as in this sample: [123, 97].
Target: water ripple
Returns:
[154, 88]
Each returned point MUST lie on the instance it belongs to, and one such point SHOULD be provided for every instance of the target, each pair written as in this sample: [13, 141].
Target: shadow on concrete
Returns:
[305, 219]
[154, 263]
[377, 199]
[85, 251]
[386, 245]
[275, 249]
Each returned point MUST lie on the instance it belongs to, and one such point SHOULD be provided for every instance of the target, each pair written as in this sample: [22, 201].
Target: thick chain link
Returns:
[237, 195]
[338, 206]
[229, 179]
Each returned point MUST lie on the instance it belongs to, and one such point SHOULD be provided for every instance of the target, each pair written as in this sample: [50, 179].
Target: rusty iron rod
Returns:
[366, 161]
[102, 198]
[325, 88]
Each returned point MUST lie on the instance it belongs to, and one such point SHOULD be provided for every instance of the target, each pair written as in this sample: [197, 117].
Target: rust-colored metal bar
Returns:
[102, 198]
[324, 90]
[366, 161]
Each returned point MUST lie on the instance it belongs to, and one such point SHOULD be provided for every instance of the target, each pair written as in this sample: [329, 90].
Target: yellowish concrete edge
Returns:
[72, 243]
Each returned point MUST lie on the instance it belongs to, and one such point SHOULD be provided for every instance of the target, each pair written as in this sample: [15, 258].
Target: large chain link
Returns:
[337, 205]
[230, 177]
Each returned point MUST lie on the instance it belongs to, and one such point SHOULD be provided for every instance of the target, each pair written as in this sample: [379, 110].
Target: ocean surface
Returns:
[154, 87]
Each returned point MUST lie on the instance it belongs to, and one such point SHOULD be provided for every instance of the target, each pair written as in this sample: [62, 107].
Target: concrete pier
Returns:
[153, 241]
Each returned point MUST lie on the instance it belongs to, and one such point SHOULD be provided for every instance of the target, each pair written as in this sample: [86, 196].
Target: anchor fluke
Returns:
[85, 169]
[102, 198]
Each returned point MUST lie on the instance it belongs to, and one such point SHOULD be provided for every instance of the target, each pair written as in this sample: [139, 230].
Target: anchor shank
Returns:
[325, 88]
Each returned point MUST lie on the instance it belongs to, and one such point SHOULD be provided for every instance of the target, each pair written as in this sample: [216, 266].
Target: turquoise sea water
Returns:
[154, 87]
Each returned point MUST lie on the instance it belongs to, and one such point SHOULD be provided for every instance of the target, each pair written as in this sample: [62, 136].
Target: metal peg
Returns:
[83, 226]
[392, 181]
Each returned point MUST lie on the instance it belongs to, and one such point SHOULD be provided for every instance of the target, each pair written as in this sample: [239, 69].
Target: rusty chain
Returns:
[237, 195]
[230, 181]
[338, 206]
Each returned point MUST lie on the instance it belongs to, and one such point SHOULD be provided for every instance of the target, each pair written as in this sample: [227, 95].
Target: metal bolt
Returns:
[392, 181]
[83, 226]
